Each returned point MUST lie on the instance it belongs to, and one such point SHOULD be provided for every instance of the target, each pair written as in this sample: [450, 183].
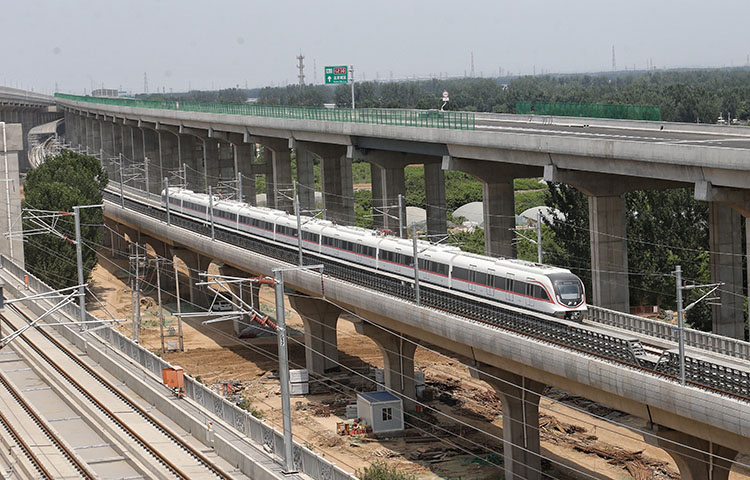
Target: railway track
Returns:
[590, 340]
[150, 447]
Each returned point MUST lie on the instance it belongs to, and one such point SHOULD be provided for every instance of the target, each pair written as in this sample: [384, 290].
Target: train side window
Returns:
[479, 277]
[541, 293]
[519, 287]
[460, 273]
[311, 237]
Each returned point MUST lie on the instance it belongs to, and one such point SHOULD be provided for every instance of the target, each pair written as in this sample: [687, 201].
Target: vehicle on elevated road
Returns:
[543, 288]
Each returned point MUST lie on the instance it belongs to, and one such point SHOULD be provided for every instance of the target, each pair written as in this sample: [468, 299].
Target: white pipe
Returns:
[7, 190]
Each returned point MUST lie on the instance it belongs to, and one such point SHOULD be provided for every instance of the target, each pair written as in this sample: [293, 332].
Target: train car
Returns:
[543, 288]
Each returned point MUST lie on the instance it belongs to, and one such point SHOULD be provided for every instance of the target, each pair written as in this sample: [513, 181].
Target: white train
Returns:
[551, 290]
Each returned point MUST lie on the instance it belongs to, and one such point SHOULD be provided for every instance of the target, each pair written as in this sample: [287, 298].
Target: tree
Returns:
[59, 184]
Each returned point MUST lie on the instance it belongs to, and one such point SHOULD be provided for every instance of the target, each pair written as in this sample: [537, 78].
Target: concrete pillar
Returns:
[244, 161]
[434, 186]
[376, 188]
[398, 361]
[169, 154]
[278, 173]
[725, 245]
[10, 214]
[696, 458]
[609, 252]
[89, 134]
[391, 184]
[189, 155]
[227, 169]
[107, 141]
[126, 135]
[306, 179]
[319, 318]
[116, 138]
[499, 209]
[195, 263]
[211, 166]
[151, 153]
[498, 199]
[96, 134]
[338, 189]
[520, 398]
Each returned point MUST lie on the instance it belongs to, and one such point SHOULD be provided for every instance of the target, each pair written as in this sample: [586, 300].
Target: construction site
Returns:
[456, 432]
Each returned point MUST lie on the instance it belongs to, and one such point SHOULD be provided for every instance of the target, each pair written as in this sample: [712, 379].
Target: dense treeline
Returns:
[57, 185]
[684, 96]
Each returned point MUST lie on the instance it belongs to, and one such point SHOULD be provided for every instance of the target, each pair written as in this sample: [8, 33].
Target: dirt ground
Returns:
[447, 442]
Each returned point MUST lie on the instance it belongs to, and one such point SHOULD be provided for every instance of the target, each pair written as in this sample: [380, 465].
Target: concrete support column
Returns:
[499, 208]
[169, 154]
[609, 252]
[398, 361]
[434, 186]
[244, 161]
[306, 179]
[338, 189]
[195, 263]
[378, 207]
[151, 154]
[278, 173]
[696, 458]
[107, 141]
[211, 166]
[189, 156]
[116, 139]
[520, 398]
[392, 184]
[10, 211]
[126, 135]
[227, 169]
[725, 245]
[96, 136]
[89, 144]
[319, 318]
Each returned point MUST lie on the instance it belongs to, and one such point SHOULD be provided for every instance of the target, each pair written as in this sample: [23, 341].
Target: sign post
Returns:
[445, 99]
[340, 74]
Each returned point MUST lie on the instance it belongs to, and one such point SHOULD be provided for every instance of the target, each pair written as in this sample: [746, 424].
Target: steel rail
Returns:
[28, 453]
[585, 340]
[166, 431]
[42, 424]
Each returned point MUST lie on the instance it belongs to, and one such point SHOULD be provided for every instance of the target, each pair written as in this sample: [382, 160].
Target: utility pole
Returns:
[166, 197]
[284, 363]
[299, 223]
[614, 64]
[240, 197]
[145, 167]
[179, 305]
[137, 321]
[401, 218]
[211, 212]
[79, 261]
[472, 64]
[122, 196]
[539, 236]
[682, 311]
[416, 262]
[158, 296]
[351, 71]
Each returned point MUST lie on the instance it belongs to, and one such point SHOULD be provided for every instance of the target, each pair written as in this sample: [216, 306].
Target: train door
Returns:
[509, 284]
[473, 278]
[490, 282]
[530, 292]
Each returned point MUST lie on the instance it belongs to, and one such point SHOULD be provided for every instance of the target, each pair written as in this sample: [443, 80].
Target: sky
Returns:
[80, 44]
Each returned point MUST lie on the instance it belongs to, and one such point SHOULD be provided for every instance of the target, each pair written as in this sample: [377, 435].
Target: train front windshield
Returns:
[569, 292]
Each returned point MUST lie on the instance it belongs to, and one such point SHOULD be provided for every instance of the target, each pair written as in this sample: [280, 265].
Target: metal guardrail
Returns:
[264, 435]
[666, 331]
[376, 116]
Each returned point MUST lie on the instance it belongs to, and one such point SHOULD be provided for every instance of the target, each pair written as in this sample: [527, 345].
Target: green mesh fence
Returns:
[523, 108]
[378, 116]
[597, 110]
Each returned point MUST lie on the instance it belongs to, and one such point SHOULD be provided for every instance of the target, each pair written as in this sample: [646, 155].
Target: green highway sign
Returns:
[338, 74]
